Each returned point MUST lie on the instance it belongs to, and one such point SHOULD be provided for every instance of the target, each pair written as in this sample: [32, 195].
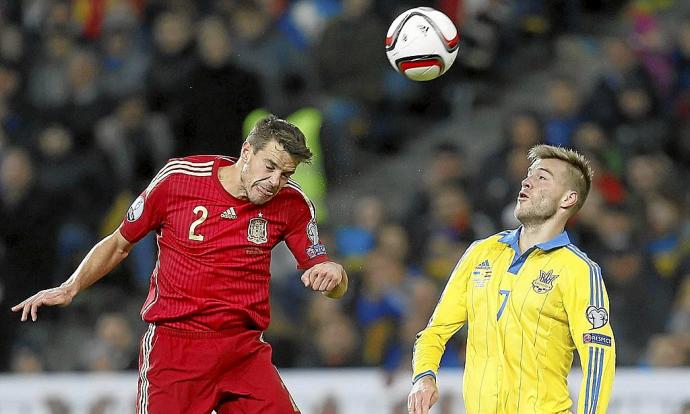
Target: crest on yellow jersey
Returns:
[544, 282]
[481, 274]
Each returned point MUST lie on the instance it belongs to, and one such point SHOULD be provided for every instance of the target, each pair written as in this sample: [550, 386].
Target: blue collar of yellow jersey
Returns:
[513, 236]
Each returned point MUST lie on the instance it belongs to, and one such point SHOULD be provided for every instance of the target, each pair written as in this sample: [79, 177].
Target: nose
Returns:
[526, 183]
[274, 179]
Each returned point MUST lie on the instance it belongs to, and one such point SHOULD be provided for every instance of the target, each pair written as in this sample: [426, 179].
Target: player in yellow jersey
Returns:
[530, 298]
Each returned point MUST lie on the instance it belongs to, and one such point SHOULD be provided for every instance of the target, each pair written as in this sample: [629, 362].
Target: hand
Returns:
[323, 277]
[423, 396]
[57, 296]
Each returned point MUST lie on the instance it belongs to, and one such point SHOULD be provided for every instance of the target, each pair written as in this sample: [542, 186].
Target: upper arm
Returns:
[147, 211]
[586, 303]
[451, 309]
[302, 233]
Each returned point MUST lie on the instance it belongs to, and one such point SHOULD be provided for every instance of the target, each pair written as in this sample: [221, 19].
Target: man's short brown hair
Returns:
[580, 172]
[284, 133]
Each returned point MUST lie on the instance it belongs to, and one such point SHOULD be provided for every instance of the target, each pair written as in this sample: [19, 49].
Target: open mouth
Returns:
[522, 196]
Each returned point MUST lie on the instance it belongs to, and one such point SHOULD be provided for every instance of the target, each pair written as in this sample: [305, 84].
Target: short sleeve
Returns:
[302, 234]
[146, 212]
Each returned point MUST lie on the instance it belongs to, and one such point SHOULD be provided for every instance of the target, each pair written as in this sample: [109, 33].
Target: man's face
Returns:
[266, 171]
[542, 191]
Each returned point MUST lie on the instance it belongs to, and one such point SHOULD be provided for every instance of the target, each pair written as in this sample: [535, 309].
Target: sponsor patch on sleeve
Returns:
[595, 338]
[136, 209]
[316, 250]
[598, 317]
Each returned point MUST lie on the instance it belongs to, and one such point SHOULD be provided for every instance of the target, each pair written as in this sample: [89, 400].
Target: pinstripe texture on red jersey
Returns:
[214, 249]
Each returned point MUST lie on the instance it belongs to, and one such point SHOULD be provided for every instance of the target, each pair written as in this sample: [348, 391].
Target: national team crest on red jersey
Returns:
[257, 232]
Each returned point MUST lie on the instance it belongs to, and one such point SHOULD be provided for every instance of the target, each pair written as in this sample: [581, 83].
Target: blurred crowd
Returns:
[95, 96]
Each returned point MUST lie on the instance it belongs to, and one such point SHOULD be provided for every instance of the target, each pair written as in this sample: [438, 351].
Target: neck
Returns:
[536, 233]
[231, 179]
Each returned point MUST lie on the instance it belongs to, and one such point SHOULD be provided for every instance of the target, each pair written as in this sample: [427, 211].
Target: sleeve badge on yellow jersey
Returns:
[544, 282]
[598, 317]
[481, 274]
[595, 338]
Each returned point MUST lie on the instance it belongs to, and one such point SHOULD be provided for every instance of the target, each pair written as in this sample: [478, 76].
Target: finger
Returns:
[18, 306]
[318, 282]
[332, 283]
[306, 278]
[25, 311]
[411, 407]
[323, 283]
[426, 402]
[34, 310]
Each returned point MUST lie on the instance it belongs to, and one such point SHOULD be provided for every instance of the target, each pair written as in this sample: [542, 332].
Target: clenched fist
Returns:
[328, 277]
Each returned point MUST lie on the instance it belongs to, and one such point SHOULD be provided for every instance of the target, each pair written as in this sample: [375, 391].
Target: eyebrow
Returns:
[540, 168]
[271, 163]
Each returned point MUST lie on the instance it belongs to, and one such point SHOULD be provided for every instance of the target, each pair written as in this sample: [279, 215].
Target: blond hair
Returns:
[580, 172]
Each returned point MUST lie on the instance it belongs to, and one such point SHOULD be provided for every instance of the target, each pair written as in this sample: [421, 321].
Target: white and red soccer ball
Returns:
[422, 43]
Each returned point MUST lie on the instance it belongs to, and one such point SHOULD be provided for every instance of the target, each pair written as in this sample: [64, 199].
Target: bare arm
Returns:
[328, 278]
[102, 258]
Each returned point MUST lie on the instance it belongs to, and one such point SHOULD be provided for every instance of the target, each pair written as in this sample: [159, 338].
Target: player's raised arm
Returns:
[102, 258]
[587, 305]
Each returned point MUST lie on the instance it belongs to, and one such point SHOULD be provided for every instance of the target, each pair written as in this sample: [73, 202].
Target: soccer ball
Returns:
[422, 43]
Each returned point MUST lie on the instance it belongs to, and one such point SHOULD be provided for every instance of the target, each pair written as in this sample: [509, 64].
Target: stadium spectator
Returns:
[171, 68]
[27, 237]
[234, 93]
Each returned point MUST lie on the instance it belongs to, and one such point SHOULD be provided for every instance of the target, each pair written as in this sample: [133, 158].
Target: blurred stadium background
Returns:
[95, 95]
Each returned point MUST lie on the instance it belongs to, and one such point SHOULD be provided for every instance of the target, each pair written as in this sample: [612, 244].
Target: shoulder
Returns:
[491, 242]
[577, 261]
[292, 193]
[196, 159]
[294, 200]
[176, 168]
[482, 246]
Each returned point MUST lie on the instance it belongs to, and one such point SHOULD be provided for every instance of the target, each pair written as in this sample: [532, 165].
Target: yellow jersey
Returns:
[526, 313]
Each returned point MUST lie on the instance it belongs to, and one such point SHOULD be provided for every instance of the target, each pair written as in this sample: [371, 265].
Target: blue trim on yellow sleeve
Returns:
[422, 375]
[588, 382]
[597, 389]
[596, 291]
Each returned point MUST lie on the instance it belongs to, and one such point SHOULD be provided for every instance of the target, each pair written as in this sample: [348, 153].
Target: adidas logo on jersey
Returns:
[229, 214]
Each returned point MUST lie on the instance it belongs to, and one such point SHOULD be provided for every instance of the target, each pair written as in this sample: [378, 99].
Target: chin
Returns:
[258, 201]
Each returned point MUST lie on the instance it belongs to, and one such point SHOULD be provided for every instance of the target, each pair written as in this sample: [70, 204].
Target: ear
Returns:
[245, 151]
[569, 199]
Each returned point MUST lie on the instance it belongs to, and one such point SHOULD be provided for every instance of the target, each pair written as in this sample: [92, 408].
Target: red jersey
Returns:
[214, 250]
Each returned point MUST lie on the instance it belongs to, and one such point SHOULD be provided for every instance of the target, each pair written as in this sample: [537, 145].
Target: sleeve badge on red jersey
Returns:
[313, 232]
[257, 232]
[316, 248]
[136, 209]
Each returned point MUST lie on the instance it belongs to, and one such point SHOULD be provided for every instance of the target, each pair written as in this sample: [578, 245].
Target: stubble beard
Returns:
[535, 215]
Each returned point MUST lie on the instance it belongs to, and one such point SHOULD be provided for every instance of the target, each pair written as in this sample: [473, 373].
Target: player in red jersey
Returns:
[216, 221]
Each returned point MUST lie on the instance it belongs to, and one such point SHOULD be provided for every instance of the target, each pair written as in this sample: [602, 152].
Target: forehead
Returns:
[553, 165]
[275, 153]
